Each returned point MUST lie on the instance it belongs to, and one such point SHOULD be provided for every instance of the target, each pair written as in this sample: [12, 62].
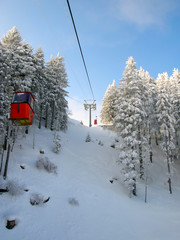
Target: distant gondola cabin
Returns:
[22, 108]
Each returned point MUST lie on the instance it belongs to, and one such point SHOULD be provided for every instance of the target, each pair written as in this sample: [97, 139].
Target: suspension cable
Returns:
[57, 41]
[69, 7]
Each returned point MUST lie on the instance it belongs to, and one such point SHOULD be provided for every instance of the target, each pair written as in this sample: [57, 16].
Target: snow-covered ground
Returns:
[84, 204]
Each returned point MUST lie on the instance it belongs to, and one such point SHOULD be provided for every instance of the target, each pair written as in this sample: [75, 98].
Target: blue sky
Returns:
[109, 30]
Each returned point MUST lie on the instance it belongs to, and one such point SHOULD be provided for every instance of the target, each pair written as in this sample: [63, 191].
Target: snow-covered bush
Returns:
[14, 187]
[88, 138]
[100, 143]
[38, 199]
[44, 163]
[73, 202]
[56, 143]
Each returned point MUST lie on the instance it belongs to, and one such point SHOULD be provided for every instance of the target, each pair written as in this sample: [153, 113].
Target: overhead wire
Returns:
[75, 29]
[58, 43]
[75, 100]
[57, 40]
[70, 25]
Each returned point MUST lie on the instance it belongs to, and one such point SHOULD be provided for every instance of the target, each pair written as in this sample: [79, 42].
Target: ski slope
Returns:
[84, 204]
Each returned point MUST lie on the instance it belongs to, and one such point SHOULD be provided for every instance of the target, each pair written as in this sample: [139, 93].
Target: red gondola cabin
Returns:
[22, 108]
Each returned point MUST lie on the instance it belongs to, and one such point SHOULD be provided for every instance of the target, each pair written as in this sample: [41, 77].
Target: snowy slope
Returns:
[83, 204]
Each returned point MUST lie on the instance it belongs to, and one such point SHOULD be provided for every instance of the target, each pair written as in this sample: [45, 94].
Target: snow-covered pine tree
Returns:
[88, 138]
[12, 42]
[148, 95]
[108, 104]
[162, 82]
[171, 85]
[166, 122]
[62, 104]
[175, 101]
[38, 85]
[128, 120]
[2, 101]
[20, 58]
[6, 91]
[50, 87]
[56, 103]
[28, 70]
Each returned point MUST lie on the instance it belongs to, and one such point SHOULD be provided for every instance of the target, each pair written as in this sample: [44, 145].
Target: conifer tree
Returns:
[62, 104]
[38, 85]
[28, 71]
[19, 56]
[56, 105]
[166, 122]
[175, 101]
[148, 96]
[108, 111]
[6, 91]
[12, 42]
[128, 120]
[2, 101]
[162, 81]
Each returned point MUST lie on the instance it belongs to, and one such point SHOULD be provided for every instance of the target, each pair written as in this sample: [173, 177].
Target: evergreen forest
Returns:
[144, 112]
[23, 70]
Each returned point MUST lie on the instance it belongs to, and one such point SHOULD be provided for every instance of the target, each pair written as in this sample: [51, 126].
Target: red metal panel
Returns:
[22, 113]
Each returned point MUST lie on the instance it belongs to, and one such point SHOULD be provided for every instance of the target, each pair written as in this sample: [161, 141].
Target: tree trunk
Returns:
[156, 137]
[26, 130]
[150, 145]
[2, 158]
[134, 187]
[6, 138]
[52, 118]
[169, 177]
[7, 161]
[168, 163]
[134, 179]
[40, 116]
[14, 132]
[176, 138]
[140, 154]
[46, 118]
[150, 151]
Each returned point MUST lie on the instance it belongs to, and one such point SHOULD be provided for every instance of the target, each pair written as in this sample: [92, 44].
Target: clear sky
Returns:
[109, 31]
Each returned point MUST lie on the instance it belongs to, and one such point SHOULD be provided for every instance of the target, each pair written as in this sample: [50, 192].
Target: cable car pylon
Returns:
[90, 106]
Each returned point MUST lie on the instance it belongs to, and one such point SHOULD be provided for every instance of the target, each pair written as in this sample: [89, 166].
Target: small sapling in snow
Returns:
[100, 143]
[88, 138]
[57, 144]
[73, 202]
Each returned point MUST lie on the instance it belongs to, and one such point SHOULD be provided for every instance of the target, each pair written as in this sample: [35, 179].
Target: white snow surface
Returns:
[83, 204]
